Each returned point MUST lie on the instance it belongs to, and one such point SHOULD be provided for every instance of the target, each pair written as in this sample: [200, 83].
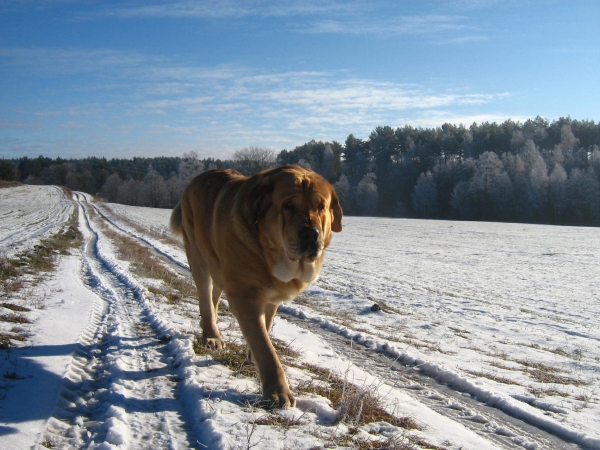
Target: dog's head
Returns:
[296, 210]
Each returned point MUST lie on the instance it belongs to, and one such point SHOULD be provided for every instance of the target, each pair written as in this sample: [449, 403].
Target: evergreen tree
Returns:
[189, 167]
[110, 189]
[154, 190]
[425, 196]
[491, 188]
[343, 190]
[327, 168]
[557, 192]
[366, 195]
[7, 170]
[583, 193]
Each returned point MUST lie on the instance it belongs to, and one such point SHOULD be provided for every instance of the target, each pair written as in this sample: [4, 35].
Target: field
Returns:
[486, 336]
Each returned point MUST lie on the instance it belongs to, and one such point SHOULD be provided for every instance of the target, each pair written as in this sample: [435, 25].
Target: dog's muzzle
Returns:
[309, 241]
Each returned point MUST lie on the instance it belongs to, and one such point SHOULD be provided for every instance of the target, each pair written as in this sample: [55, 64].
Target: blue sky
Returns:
[132, 78]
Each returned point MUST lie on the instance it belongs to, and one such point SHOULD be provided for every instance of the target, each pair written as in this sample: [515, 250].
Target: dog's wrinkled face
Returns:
[303, 210]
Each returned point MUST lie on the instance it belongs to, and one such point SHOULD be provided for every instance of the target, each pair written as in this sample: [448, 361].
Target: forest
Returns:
[537, 171]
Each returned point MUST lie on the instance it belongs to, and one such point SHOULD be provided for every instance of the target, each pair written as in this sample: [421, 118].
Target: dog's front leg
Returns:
[276, 392]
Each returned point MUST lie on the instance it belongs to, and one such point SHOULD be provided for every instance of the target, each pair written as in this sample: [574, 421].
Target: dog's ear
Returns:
[258, 199]
[336, 208]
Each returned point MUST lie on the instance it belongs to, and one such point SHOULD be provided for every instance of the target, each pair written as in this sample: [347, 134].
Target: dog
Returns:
[261, 240]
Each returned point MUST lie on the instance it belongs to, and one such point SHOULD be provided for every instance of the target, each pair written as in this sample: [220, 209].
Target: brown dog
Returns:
[261, 241]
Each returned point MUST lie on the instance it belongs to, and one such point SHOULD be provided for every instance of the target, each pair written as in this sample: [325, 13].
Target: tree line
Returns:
[534, 171]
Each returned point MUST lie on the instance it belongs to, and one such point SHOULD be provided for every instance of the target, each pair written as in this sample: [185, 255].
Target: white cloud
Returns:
[305, 16]
[69, 61]
[219, 9]
[436, 118]
[413, 25]
[183, 107]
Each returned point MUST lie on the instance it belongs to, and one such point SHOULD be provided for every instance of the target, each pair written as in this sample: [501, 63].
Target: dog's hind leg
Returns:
[216, 298]
[208, 298]
[270, 311]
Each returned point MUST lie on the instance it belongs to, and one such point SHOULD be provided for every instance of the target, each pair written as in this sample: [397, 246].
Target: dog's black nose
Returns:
[308, 235]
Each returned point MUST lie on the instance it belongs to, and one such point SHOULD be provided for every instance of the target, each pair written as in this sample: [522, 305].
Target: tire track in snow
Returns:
[121, 385]
[486, 417]
[144, 240]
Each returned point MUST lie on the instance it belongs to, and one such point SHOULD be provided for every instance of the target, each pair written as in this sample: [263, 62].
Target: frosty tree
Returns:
[366, 195]
[425, 195]
[251, 160]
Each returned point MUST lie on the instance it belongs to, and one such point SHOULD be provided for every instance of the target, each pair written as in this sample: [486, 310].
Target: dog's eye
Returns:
[321, 207]
[289, 206]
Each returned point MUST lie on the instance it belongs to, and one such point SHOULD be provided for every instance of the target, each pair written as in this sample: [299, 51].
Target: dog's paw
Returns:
[278, 399]
[214, 343]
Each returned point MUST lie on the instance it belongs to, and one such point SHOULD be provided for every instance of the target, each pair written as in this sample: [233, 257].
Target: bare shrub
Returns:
[251, 160]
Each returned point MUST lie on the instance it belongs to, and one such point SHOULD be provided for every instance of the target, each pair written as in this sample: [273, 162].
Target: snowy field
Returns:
[28, 213]
[487, 337]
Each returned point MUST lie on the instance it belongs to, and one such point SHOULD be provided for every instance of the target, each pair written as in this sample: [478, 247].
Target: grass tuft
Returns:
[271, 419]
[547, 392]
[356, 405]
[234, 356]
[491, 376]
[14, 307]
[14, 318]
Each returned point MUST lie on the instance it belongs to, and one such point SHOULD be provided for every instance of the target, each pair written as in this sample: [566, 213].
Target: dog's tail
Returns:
[176, 222]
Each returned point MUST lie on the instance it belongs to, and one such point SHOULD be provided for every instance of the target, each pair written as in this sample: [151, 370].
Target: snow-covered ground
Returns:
[487, 337]
[29, 213]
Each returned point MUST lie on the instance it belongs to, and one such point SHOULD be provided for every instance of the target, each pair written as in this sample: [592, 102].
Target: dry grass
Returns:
[173, 297]
[48, 443]
[270, 419]
[547, 392]
[350, 440]
[553, 378]
[399, 441]
[356, 405]
[14, 318]
[234, 356]
[166, 238]
[460, 332]
[544, 373]
[491, 376]
[538, 366]
[541, 373]
[576, 354]
[9, 184]
[30, 267]
[43, 257]
[145, 264]
[7, 338]
[499, 365]
[285, 351]
[14, 307]
[11, 275]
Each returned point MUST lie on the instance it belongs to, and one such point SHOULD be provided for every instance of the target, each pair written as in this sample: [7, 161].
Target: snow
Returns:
[41, 365]
[28, 213]
[466, 309]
